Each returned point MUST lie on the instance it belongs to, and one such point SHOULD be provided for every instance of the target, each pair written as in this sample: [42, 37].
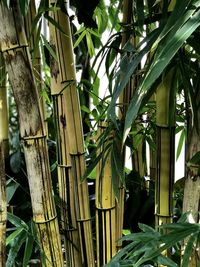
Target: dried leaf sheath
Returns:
[17, 61]
[105, 206]
[79, 195]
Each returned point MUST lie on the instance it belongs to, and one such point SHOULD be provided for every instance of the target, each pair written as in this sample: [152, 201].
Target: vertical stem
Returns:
[105, 206]
[165, 153]
[79, 195]
[17, 60]
[3, 208]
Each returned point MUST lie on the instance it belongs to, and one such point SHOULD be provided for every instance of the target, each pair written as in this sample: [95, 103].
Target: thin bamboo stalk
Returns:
[123, 100]
[3, 207]
[17, 60]
[165, 153]
[3, 108]
[105, 205]
[69, 224]
[4, 151]
[64, 48]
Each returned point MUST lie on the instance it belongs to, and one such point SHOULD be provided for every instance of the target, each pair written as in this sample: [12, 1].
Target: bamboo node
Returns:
[33, 137]
[44, 221]
[12, 47]
[77, 154]
[111, 208]
[84, 220]
[64, 166]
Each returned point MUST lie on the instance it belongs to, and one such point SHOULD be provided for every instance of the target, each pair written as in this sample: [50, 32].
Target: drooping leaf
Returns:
[167, 49]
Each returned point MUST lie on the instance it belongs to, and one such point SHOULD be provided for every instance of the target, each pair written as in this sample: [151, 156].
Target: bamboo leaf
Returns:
[188, 251]
[80, 38]
[180, 144]
[166, 261]
[16, 245]
[28, 250]
[51, 51]
[16, 221]
[24, 6]
[14, 235]
[167, 51]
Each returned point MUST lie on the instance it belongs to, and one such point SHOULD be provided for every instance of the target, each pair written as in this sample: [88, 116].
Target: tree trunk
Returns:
[17, 60]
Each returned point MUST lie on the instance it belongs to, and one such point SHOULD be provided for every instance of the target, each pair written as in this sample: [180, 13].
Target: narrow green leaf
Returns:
[51, 51]
[80, 38]
[167, 51]
[28, 250]
[188, 251]
[180, 144]
[14, 235]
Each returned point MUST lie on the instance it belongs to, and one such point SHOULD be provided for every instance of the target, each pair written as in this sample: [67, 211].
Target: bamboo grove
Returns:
[95, 153]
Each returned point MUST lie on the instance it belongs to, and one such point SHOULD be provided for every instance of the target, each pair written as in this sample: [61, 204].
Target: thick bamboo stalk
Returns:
[64, 48]
[105, 205]
[69, 224]
[165, 153]
[17, 60]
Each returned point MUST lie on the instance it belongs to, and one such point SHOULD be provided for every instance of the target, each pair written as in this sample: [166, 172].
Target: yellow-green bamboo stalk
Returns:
[105, 205]
[3, 108]
[17, 60]
[69, 225]
[165, 153]
[3, 153]
[35, 54]
[79, 195]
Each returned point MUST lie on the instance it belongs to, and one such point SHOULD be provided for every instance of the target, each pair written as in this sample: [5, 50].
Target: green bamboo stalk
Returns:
[17, 60]
[4, 151]
[165, 153]
[105, 205]
[69, 224]
[3, 207]
[79, 195]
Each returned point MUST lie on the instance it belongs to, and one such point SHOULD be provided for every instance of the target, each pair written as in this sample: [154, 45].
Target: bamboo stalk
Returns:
[17, 60]
[165, 153]
[105, 206]
[3, 108]
[3, 207]
[69, 225]
[4, 151]
[79, 195]
[35, 55]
